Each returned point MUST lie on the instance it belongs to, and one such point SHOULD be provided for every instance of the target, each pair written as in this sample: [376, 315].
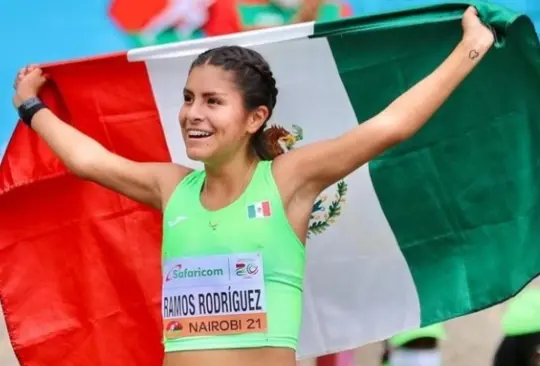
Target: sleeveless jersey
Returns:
[232, 278]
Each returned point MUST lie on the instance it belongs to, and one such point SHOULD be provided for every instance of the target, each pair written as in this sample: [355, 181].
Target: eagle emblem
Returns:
[279, 140]
[325, 211]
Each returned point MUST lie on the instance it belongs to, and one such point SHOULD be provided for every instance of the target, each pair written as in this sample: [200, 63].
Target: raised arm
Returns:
[338, 157]
[148, 183]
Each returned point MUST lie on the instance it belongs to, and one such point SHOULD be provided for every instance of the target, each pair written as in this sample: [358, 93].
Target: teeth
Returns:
[198, 133]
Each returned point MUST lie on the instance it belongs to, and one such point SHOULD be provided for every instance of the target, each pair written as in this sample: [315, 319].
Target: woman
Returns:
[217, 259]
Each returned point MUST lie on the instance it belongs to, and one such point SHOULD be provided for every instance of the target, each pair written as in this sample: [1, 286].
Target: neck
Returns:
[230, 176]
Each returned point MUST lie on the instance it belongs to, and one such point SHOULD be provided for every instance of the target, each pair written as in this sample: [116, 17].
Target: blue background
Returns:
[35, 31]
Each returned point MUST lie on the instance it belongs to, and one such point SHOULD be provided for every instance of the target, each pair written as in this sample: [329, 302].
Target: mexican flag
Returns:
[441, 226]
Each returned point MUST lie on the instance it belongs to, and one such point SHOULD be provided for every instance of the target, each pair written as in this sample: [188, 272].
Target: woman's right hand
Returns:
[27, 84]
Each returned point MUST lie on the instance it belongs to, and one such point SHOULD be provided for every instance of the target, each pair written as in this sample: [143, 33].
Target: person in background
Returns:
[521, 331]
[166, 21]
[418, 347]
[150, 22]
[232, 16]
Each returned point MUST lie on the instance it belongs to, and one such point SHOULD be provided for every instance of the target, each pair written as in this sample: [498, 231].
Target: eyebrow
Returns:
[205, 94]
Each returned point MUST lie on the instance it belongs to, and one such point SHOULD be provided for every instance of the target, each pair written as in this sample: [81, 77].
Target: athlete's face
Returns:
[215, 125]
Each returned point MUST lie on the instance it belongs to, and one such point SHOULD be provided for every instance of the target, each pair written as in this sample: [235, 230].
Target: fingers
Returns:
[35, 71]
[471, 13]
[41, 77]
[32, 69]
[472, 10]
[27, 70]
[471, 16]
[18, 78]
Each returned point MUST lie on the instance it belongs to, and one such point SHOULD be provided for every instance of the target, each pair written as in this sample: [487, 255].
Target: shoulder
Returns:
[287, 171]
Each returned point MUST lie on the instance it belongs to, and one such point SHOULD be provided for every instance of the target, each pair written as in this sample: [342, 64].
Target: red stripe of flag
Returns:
[266, 208]
[80, 265]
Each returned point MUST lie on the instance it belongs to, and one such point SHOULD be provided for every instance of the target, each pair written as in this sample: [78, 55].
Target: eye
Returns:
[213, 100]
[187, 98]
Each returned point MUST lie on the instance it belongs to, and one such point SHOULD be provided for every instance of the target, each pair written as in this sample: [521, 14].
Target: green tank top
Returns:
[232, 278]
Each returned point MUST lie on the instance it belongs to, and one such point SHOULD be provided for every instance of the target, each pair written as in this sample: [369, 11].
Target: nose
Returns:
[194, 112]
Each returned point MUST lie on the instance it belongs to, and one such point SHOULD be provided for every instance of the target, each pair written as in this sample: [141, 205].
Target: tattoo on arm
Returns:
[473, 54]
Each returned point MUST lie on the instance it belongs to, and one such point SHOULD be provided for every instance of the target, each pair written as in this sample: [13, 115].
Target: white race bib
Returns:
[213, 295]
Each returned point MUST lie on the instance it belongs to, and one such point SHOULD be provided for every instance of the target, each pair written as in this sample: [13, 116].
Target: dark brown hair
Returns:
[253, 77]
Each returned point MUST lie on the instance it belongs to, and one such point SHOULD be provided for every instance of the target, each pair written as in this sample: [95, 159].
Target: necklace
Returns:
[212, 223]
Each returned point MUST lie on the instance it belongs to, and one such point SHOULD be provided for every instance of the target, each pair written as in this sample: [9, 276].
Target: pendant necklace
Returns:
[214, 224]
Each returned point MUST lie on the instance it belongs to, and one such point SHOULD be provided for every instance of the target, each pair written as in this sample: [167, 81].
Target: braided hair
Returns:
[253, 77]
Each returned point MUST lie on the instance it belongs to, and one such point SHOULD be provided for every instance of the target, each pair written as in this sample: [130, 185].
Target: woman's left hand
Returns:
[476, 34]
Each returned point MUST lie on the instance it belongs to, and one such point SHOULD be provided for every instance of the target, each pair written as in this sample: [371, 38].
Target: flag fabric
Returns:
[442, 225]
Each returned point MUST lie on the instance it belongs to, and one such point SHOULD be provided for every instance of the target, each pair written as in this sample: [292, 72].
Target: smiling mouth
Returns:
[197, 134]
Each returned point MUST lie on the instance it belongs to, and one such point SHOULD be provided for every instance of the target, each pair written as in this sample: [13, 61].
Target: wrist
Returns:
[28, 108]
[21, 98]
[475, 47]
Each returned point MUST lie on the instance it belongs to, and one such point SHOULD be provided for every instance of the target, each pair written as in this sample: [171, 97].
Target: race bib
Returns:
[213, 295]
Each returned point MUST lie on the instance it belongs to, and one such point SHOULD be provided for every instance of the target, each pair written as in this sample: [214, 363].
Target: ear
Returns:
[257, 118]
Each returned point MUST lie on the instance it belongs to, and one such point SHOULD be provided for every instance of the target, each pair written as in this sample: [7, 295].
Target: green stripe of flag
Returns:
[462, 196]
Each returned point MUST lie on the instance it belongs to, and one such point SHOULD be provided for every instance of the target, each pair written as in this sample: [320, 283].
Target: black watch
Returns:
[29, 108]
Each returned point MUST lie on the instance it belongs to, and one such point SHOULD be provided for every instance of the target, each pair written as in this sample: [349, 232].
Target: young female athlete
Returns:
[229, 95]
